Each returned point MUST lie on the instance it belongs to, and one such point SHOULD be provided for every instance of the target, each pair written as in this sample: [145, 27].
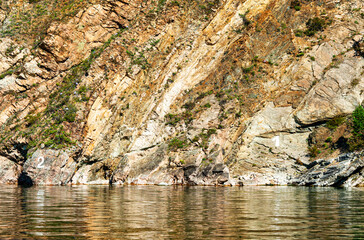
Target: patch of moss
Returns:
[335, 122]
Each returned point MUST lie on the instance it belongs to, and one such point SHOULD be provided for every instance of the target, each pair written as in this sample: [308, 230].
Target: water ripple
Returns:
[152, 212]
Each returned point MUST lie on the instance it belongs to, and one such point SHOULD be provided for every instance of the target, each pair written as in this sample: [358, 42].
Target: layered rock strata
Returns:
[173, 92]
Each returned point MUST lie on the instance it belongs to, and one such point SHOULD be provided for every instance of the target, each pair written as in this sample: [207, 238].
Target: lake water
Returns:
[175, 212]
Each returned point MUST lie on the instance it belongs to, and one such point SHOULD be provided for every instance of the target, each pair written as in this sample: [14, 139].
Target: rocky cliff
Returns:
[207, 92]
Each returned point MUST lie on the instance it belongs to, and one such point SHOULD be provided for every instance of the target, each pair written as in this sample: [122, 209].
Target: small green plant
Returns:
[314, 25]
[296, 5]
[49, 143]
[298, 33]
[172, 119]
[154, 42]
[174, 3]
[195, 138]
[189, 105]
[358, 121]
[211, 131]
[32, 119]
[356, 142]
[300, 54]
[205, 135]
[314, 151]
[161, 4]
[355, 82]
[82, 89]
[246, 21]
[248, 69]
[70, 113]
[9, 72]
[207, 105]
[10, 50]
[176, 143]
[335, 122]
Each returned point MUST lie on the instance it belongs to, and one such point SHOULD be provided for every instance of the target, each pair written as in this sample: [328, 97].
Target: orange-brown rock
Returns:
[165, 92]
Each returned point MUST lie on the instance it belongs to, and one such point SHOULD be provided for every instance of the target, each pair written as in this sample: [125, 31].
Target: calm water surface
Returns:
[156, 212]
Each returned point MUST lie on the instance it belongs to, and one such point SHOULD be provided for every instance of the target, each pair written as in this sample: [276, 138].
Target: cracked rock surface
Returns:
[145, 92]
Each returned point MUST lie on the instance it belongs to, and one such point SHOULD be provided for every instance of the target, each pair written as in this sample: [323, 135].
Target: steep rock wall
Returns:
[216, 92]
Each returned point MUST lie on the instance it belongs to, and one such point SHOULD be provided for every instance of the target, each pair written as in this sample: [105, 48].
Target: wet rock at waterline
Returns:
[347, 170]
[9, 171]
[50, 167]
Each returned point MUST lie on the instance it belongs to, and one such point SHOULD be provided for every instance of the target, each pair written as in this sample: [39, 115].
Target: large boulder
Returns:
[49, 167]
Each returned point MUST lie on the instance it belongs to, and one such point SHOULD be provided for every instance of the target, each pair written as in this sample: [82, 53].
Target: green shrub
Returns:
[298, 33]
[211, 131]
[207, 105]
[358, 121]
[31, 119]
[176, 143]
[187, 116]
[172, 119]
[246, 21]
[82, 89]
[49, 143]
[196, 138]
[356, 142]
[297, 8]
[205, 136]
[33, 1]
[70, 113]
[314, 25]
[62, 138]
[248, 69]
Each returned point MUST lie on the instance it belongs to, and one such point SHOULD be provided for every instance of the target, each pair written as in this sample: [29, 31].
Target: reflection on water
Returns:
[152, 212]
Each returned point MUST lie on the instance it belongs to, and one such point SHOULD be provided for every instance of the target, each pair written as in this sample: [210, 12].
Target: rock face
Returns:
[333, 96]
[10, 171]
[49, 167]
[166, 92]
[345, 170]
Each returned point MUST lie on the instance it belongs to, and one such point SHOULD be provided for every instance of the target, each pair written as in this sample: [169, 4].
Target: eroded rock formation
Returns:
[178, 92]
